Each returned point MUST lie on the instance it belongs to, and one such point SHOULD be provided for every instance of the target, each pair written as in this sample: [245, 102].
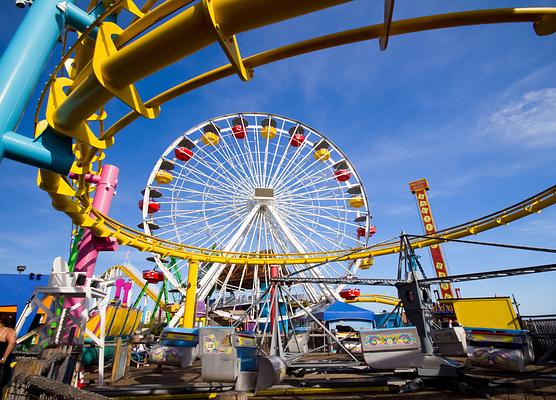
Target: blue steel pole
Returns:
[25, 58]
[21, 66]
[77, 18]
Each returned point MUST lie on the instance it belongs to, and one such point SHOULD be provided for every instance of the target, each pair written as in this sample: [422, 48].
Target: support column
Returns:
[90, 245]
[25, 58]
[274, 303]
[191, 295]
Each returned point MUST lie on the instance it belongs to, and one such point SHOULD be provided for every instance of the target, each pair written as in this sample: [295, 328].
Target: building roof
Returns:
[343, 311]
[16, 289]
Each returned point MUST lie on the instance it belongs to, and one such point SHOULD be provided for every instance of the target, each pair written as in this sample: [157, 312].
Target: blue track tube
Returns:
[21, 67]
[49, 151]
[77, 18]
[25, 58]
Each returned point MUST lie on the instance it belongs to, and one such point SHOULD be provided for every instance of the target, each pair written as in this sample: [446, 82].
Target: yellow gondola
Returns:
[210, 139]
[322, 154]
[268, 132]
[163, 177]
[356, 202]
[367, 263]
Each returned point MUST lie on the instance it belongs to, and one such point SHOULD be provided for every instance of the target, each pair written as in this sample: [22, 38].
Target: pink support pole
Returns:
[127, 288]
[89, 246]
[273, 298]
[119, 285]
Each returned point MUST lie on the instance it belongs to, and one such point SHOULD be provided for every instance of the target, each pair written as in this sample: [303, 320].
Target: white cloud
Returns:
[530, 120]
[544, 227]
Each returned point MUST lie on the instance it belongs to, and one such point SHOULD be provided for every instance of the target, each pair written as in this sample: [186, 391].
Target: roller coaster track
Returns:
[111, 70]
[375, 298]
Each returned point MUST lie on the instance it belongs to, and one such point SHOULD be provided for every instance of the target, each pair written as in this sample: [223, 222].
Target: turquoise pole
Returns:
[77, 18]
[49, 151]
[25, 58]
[21, 66]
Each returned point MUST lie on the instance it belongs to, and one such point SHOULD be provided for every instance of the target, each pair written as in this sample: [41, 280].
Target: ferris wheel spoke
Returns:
[317, 177]
[227, 154]
[201, 194]
[292, 169]
[326, 217]
[283, 157]
[316, 246]
[225, 178]
[225, 174]
[204, 214]
[194, 165]
[273, 167]
[280, 242]
[206, 283]
[217, 224]
[174, 190]
[218, 186]
[320, 191]
[315, 232]
[287, 170]
[334, 231]
[217, 206]
[295, 243]
[237, 149]
[258, 160]
[249, 156]
[338, 209]
[327, 166]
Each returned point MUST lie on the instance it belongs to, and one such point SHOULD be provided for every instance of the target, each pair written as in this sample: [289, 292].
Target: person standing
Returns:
[8, 340]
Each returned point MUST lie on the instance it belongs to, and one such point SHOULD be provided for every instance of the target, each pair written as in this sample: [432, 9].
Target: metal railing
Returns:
[36, 387]
[543, 333]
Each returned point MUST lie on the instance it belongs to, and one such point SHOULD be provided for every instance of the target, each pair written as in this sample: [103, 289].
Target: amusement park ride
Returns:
[257, 216]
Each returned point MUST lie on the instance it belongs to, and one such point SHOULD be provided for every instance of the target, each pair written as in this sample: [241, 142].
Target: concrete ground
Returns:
[536, 383]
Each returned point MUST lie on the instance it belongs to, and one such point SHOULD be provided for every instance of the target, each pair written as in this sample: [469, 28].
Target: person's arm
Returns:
[12, 341]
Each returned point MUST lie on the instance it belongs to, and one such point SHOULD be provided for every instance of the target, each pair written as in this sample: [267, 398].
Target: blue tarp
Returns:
[342, 311]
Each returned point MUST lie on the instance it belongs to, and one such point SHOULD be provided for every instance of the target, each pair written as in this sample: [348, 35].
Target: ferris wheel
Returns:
[257, 184]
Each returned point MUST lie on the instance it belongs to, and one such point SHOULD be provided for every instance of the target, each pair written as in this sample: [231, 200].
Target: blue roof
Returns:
[342, 311]
[16, 290]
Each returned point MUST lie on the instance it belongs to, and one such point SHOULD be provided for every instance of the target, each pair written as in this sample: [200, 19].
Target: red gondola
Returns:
[239, 131]
[297, 139]
[152, 276]
[152, 208]
[342, 175]
[183, 153]
[361, 231]
[350, 294]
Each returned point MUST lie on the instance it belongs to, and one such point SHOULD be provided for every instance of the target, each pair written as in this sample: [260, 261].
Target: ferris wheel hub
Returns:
[263, 196]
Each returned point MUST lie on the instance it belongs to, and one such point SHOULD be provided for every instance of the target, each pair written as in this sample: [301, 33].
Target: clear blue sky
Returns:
[471, 109]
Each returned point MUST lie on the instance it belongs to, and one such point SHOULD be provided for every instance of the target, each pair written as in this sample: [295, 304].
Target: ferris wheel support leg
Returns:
[210, 278]
[191, 295]
[301, 249]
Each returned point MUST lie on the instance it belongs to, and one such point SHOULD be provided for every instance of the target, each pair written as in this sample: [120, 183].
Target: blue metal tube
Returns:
[25, 58]
[78, 19]
[21, 66]
[49, 151]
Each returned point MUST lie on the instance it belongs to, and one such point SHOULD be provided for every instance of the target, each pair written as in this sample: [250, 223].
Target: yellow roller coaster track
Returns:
[122, 57]
[375, 298]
